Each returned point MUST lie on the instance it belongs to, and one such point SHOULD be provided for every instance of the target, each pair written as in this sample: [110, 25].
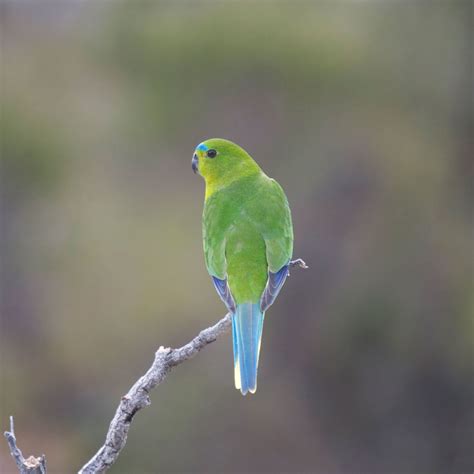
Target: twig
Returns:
[137, 397]
[32, 465]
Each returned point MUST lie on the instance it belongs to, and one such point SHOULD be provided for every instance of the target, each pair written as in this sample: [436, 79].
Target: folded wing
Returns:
[274, 284]
[223, 290]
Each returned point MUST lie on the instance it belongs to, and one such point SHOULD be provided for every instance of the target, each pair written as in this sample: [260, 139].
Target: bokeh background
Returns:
[361, 110]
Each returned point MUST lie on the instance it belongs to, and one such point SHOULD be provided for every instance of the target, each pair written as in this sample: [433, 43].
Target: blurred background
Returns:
[361, 110]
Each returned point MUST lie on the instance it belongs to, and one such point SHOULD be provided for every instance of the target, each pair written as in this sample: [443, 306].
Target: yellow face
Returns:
[221, 162]
[203, 159]
[217, 158]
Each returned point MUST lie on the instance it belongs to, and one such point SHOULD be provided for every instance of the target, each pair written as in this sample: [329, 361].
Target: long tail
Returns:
[247, 326]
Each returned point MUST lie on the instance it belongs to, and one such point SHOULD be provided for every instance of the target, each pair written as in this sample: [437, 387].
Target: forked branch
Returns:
[135, 399]
[32, 465]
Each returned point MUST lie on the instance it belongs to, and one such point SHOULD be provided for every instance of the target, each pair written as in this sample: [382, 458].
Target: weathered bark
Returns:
[135, 399]
[32, 465]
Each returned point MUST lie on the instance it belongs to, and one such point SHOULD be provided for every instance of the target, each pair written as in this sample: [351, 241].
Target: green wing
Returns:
[273, 219]
[216, 219]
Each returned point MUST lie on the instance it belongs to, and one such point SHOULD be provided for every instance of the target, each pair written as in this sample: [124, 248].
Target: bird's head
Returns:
[220, 162]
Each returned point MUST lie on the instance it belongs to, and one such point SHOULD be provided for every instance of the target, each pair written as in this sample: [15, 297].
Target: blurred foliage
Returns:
[31, 159]
[361, 110]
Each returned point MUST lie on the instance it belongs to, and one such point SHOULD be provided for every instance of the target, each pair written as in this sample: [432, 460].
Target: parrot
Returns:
[248, 244]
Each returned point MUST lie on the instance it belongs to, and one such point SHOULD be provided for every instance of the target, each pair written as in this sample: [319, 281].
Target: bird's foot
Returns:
[299, 262]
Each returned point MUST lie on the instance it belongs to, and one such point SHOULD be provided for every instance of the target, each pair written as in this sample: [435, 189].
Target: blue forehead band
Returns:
[202, 147]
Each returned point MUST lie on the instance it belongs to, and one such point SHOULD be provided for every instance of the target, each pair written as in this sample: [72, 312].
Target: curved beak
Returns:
[195, 163]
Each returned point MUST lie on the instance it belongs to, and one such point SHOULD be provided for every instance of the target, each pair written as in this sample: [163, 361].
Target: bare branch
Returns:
[137, 397]
[32, 465]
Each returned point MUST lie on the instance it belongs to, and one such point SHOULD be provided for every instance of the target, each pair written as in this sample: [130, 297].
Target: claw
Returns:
[299, 262]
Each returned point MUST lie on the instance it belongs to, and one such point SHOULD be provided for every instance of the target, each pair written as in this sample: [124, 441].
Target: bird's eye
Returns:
[211, 153]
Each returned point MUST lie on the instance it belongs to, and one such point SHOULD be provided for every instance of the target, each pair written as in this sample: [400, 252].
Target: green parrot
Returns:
[248, 244]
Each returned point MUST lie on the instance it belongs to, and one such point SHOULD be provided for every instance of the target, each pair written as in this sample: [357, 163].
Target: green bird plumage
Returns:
[248, 244]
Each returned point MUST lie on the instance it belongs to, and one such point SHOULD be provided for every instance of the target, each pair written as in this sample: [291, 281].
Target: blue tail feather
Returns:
[247, 326]
[236, 353]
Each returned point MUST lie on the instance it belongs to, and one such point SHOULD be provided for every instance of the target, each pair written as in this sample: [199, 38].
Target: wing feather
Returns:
[224, 292]
[274, 284]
